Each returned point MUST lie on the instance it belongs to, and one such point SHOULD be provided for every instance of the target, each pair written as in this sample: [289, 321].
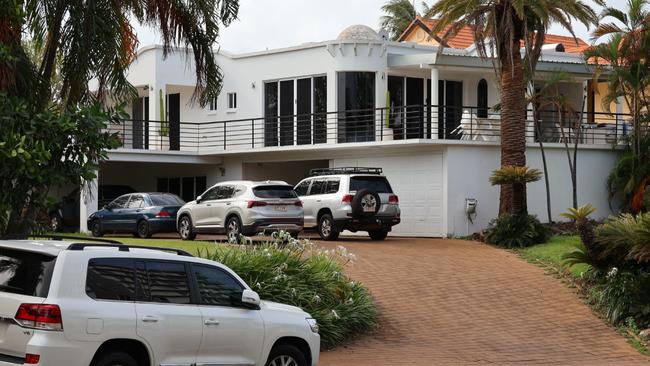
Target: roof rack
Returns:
[127, 248]
[59, 238]
[344, 170]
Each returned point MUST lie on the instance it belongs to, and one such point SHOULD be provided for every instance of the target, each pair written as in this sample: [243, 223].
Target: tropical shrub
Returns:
[624, 294]
[516, 231]
[295, 272]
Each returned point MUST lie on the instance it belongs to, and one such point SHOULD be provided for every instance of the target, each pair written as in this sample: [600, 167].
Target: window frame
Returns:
[134, 274]
[308, 182]
[232, 101]
[128, 198]
[311, 186]
[142, 203]
[213, 105]
[195, 285]
[188, 275]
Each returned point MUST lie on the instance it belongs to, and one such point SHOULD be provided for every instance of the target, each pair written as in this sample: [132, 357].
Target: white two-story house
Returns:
[426, 118]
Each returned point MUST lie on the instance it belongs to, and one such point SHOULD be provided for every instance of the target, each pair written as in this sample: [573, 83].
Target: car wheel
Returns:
[143, 229]
[233, 230]
[96, 229]
[56, 223]
[365, 203]
[185, 228]
[286, 355]
[115, 359]
[378, 234]
[327, 228]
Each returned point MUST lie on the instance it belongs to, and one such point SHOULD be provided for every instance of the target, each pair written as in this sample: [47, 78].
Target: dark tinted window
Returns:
[25, 273]
[111, 279]
[274, 192]
[120, 202]
[216, 287]
[332, 186]
[375, 184]
[301, 189]
[137, 201]
[166, 200]
[317, 187]
[211, 194]
[168, 282]
[226, 192]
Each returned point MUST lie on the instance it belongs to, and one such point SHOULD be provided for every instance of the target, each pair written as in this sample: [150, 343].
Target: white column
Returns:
[435, 77]
[88, 203]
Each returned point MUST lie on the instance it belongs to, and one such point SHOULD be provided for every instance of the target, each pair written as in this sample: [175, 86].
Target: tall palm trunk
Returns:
[513, 124]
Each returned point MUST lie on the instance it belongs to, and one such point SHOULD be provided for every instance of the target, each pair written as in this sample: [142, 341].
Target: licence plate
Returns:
[282, 208]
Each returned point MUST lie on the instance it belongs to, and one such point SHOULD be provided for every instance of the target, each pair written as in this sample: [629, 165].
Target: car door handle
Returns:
[211, 322]
[208, 204]
[149, 319]
[318, 201]
[229, 203]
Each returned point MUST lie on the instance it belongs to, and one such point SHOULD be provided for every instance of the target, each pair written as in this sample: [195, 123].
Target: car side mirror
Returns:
[250, 298]
[198, 199]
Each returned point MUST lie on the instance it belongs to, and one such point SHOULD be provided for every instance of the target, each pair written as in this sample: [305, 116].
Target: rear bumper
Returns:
[162, 224]
[365, 224]
[274, 224]
[54, 349]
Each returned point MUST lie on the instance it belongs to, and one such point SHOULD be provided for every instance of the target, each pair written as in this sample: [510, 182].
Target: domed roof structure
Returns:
[358, 32]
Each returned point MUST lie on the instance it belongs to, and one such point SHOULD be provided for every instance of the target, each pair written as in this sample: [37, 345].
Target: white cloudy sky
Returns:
[280, 23]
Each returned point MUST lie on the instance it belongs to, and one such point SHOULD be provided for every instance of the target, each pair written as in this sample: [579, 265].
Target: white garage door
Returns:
[417, 179]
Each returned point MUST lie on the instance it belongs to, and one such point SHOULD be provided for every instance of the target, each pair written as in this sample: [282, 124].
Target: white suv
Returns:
[242, 207]
[81, 304]
[354, 199]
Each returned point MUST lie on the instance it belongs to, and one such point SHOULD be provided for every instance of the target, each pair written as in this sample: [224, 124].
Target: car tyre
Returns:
[143, 229]
[286, 355]
[233, 229]
[96, 229]
[364, 201]
[327, 228]
[185, 229]
[56, 223]
[380, 234]
[115, 359]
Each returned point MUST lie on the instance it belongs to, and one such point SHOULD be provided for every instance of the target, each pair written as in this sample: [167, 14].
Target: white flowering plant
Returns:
[299, 273]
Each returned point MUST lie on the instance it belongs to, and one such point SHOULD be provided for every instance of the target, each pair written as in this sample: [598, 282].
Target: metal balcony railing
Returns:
[471, 124]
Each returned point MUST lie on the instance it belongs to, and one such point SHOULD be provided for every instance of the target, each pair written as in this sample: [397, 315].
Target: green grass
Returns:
[550, 254]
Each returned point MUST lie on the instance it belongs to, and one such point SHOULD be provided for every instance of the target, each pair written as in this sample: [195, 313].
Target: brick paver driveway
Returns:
[450, 302]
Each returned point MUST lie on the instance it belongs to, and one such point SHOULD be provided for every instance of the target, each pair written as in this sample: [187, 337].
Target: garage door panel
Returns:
[417, 178]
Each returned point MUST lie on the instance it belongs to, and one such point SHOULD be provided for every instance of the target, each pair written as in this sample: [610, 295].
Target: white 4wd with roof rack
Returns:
[354, 199]
[81, 304]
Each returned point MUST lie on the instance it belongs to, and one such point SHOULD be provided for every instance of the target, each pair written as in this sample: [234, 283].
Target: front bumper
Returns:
[274, 224]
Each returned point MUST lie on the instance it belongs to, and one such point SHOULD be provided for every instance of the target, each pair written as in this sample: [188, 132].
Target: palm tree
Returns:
[500, 27]
[94, 40]
[399, 15]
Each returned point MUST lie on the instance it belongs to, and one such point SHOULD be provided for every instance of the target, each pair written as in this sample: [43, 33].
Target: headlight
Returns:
[313, 324]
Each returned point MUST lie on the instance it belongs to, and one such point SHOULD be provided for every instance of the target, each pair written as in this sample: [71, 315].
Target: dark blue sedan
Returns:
[141, 214]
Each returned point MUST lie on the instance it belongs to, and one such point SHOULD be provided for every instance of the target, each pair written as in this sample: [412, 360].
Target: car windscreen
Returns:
[25, 273]
[375, 184]
[166, 200]
[274, 192]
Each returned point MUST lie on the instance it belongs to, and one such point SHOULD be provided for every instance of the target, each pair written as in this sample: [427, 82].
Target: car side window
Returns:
[211, 194]
[226, 192]
[111, 279]
[332, 186]
[167, 283]
[302, 188]
[317, 187]
[216, 286]
[120, 202]
[136, 201]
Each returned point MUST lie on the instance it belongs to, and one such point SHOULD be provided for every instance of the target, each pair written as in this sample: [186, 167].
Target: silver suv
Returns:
[242, 207]
[354, 199]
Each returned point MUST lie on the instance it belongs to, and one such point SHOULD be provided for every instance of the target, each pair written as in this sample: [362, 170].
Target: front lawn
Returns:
[550, 254]
[193, 247]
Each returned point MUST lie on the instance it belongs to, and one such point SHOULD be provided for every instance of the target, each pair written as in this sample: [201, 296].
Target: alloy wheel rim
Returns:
[142, 228]
[54, 223]
[326, 227]
[233, 230]
[185, 228]
[283, 360]
[368, 202]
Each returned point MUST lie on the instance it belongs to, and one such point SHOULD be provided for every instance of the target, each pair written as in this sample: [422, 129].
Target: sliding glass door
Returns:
[356, 104]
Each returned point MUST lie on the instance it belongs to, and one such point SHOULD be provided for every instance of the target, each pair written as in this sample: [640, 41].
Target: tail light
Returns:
[31, 359]
[347, 198]
[298, 203]
[252, 204]
[40, 316]
[163, 213]
[393, 199]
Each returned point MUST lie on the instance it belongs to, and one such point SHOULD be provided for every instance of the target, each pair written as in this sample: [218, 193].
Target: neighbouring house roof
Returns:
[465, 37]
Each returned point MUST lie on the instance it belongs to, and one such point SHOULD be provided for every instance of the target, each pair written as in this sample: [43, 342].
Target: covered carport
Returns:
[291, 172]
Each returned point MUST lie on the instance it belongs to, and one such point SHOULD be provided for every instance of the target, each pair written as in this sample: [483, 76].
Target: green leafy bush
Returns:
[624, 294]
[295, 272]
[516, 231]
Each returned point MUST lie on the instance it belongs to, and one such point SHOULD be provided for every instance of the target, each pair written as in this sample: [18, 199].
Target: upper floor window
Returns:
[482, 99]
[213, 103]
[232, 100]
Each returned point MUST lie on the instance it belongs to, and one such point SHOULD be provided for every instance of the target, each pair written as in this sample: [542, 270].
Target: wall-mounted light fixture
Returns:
[253, 85]
[222, 170]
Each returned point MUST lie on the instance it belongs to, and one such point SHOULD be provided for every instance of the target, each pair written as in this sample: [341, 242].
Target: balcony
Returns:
[464, 124]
